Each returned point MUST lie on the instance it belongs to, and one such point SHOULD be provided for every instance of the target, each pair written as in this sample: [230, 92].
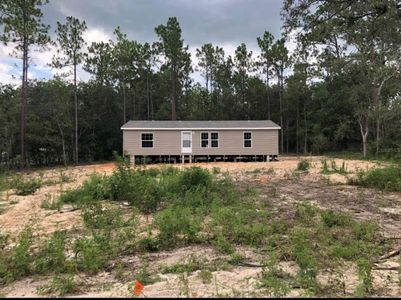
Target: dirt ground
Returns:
[278, 181]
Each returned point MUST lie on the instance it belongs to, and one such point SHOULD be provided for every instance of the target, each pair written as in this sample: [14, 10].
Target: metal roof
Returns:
[207, 125]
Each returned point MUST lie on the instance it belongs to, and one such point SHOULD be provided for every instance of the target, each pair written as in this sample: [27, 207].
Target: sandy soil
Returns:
[278, 181]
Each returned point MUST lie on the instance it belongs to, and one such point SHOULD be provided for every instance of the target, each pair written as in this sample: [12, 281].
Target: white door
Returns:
[186, 141]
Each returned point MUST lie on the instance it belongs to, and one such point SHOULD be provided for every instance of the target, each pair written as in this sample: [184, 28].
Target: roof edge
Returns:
[199, 128]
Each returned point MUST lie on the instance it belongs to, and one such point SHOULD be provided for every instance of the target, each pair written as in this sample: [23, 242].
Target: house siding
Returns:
[168, 142]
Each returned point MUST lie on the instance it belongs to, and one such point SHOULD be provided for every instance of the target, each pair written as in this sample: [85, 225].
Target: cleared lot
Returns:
[277, 185]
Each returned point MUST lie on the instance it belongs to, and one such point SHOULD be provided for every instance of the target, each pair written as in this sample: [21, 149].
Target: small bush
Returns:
[388, 178]
[17, 262]
[206, 276]
[51, 204]
[25, 187]
[303, 165]
[98, 216]
[176, 225]
[148, 244]
[135, 187]
[306, 213]
[90, 256]
[51, 257]
[144, 276]
[365, 286]
[60, 285]
[331, 218]
[271, 278]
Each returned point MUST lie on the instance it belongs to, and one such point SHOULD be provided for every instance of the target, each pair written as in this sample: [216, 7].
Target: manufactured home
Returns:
[193, 141]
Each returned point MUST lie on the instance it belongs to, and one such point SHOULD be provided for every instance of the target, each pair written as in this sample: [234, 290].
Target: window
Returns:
[247, 139]
[147, 140]
[214, 139]
[204, 139]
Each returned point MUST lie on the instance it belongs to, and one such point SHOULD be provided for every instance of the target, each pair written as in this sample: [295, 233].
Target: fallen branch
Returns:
[386, 268]
[391, 254]
[250, 264]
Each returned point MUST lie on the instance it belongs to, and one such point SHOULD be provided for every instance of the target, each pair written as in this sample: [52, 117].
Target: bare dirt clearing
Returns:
[279, 183]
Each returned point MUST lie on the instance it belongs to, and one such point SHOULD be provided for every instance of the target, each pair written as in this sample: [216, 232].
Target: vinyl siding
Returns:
[168, 142]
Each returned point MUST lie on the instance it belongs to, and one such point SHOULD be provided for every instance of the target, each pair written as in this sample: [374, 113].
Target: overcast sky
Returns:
[226, 23]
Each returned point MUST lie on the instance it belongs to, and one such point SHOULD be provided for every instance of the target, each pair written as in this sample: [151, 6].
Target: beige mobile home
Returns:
[192, 141]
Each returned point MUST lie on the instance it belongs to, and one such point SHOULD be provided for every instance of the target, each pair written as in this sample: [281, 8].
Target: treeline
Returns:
[339, 90]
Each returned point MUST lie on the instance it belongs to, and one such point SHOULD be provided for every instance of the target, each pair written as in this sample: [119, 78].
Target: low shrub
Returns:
[25, 187]
[60, 285]
[135, 187]
[51, 257]
[16, 262]
[90, 257]
[303, 165]
[176, 225]
[51, 204]
[388, 178]
[101, 216]
[331, 218]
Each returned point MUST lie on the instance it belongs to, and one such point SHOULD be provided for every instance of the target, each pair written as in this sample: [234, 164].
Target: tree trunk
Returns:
[147, 95]
[297, 128]
[76, 159]
[124, 105]
[306, 132]
[280, 79]
[62, 143]
[24, 102]
[364, 133]
[174, 96]
[267, 93]
[287, 135]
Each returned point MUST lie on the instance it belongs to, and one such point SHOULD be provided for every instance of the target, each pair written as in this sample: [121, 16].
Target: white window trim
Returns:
[153, 140]
[243, 139]
[218, 139]
[208, 140]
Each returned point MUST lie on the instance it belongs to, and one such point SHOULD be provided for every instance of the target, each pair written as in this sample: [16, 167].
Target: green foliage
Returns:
[240, 224]
[51, 257]
[333, 168]
[206, 276]
[60, 285]
[98, 216]
[25, 187]
[135, 187]
[387, 178]
[144, 276]
[365, 286]
[305, 213]
[331, 218]
[177, 226]
[51, 204]
[303, 165]
[303, 255]
[271, 278]
[4, 182]
[90, 256]
[16, 262]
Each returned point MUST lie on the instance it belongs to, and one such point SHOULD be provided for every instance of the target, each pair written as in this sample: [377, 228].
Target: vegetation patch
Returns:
[331, 167]
[387, 178]
[303, 165]
[25, 187]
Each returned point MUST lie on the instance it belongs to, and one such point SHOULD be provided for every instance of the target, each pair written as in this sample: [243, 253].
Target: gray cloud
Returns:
[226, 23]
[217, 21]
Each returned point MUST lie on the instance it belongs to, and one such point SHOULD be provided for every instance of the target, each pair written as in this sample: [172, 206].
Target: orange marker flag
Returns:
[138, 288]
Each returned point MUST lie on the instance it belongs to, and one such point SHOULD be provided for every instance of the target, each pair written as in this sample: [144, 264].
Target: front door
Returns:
[186, 141]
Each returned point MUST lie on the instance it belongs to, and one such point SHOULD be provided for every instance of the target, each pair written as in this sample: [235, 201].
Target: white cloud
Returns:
[95, 35]
[6, 74]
